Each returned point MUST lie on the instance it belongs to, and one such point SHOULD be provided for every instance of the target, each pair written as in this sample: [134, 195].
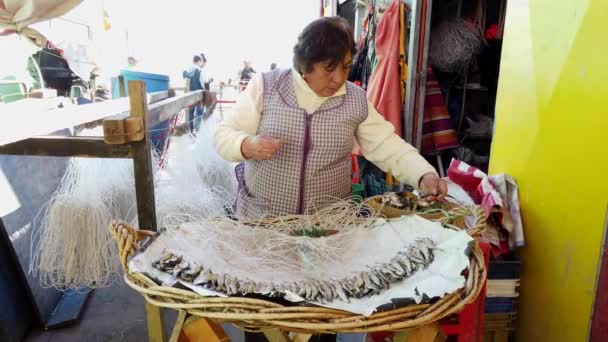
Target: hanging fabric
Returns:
[437, 131]
[362, 66]
[384, 84]
[17, 15]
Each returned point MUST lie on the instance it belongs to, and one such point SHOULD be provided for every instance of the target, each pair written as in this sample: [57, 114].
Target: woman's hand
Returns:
[260, 147]
[433, 187]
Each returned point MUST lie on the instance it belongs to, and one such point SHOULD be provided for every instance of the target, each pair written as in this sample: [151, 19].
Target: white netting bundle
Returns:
[453, 44]
[74, 249]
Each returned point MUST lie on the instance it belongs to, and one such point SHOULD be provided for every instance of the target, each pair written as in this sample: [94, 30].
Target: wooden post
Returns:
[276, 335]
[144, 191]
[156, 328]
[142, 159]
[121, 86]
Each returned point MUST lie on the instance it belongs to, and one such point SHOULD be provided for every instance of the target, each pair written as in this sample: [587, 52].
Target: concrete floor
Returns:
[116, 313]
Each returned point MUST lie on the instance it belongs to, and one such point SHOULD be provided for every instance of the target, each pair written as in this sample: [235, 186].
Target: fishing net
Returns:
[74, 249]
[336, 257]
[453, 45]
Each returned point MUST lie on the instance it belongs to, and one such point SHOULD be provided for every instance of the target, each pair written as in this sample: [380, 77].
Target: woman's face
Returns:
[326, 81]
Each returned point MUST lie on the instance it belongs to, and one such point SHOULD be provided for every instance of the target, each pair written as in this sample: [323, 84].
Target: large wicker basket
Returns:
[257, 314]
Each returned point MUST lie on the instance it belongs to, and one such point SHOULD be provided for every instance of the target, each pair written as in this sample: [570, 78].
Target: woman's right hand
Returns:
[260, 147]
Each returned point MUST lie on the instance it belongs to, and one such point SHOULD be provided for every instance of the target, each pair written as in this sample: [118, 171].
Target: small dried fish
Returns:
[191, 273]
[393, 199]
[324, 289]
[179, 268]
[359, 282]
[232, 285]
[374, 278]
[301, 290]
[220, 283]
[252, 287]
[308, 292]
[341, 292]
[315, 291]
[369, 283]
[244, 287]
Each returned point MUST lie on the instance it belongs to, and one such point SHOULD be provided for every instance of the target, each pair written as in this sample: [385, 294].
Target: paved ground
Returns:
[117, 313]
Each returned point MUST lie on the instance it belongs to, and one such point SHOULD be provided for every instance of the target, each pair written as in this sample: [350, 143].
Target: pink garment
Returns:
[383, 89]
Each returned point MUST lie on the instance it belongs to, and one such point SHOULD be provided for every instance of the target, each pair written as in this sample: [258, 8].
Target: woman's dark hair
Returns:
[204, 57]
[327, 39]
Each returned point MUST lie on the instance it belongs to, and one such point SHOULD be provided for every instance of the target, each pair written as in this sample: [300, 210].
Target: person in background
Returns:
[273, 66]
[206, 81]
[197, 82]
[131, 62]
[245, 74]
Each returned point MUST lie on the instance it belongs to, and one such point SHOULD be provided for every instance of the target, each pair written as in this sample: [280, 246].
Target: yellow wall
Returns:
[552, 136]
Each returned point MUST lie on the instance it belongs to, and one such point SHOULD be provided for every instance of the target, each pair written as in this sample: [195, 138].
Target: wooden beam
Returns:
[156, 329]
[41, 121]
[164, 110]
[142, 160]
[160, 95]
[62, 146]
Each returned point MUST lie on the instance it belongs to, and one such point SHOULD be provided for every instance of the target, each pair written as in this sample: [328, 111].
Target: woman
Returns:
[294, 130]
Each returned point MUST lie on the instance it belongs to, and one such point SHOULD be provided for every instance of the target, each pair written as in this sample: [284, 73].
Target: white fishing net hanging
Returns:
[195, 181]
[74, 249]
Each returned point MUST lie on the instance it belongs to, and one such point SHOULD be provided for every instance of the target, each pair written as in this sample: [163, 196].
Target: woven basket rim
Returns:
[258, 314]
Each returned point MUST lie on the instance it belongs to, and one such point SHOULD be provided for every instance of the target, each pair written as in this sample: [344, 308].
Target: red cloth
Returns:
[483, 192]
[383, 89]
[492, 32]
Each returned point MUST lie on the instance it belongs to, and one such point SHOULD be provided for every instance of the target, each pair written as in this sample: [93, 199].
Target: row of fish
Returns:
[376, 279]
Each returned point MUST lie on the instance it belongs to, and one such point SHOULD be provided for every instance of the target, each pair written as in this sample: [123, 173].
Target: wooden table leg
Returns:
[301, 337]
[276, 335]
[156, 328]
[179, 324]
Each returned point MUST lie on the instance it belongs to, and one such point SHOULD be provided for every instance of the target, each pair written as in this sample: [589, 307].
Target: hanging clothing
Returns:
[384, 85]
[361, 69]
[437, 131]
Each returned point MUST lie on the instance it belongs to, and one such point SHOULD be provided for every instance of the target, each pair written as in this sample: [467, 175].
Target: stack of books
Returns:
[502, 292]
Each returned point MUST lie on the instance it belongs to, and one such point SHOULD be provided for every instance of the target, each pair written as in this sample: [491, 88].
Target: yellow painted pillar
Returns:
[552, 136]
